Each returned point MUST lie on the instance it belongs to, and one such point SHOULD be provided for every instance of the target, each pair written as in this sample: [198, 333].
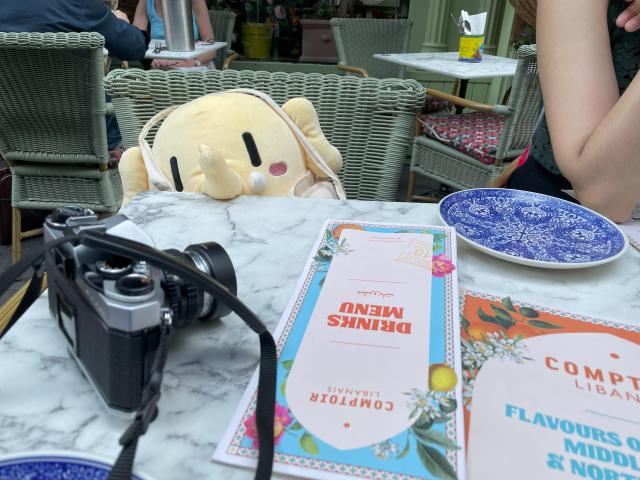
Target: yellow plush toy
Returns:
[232, 143]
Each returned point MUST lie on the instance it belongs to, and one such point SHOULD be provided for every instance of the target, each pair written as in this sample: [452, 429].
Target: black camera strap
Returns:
[265, 403]
[33, 259]
[148, 411]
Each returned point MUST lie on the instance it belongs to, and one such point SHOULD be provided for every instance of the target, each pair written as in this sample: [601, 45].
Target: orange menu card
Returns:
[548, 394]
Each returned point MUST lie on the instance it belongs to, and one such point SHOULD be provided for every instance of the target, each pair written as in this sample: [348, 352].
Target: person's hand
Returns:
[121, 15]
[629, 19]
[166, 64]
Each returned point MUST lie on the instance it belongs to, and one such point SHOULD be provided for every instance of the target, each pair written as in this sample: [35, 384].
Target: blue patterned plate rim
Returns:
[31, 459]
[616, 236]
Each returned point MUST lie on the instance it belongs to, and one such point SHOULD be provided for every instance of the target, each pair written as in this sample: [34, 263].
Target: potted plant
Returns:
[318, 44]
[256, 32]
[288, 32]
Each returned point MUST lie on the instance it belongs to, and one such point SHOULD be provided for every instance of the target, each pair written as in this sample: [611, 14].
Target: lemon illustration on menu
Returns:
[366, 343]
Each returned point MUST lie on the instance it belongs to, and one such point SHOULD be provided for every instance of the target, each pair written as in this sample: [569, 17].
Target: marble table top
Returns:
[47, 404]
[447, 63]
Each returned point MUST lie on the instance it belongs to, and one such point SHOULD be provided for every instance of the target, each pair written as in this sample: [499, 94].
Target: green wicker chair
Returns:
[52, 123]
[439, 160]
[357, 39]
[370, 121]
[223, 22]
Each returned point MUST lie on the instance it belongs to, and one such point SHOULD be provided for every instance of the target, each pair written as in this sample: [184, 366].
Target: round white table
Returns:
[47, 404]
[447, 63]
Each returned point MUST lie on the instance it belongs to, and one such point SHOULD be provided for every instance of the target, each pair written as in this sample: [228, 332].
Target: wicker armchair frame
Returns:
[451, 167]
[223, 22]
[52, 123]
[357, 39]
[370, 121]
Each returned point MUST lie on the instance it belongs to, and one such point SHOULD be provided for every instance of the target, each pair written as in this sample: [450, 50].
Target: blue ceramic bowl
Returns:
[532, 229]
[56, 466]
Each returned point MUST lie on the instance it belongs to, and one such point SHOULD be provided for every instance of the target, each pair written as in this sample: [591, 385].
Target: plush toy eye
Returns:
[173, 161]
[252, 149]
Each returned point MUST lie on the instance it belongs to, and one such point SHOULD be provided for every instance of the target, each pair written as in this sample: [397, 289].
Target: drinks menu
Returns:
[369, 361]
[549, 394]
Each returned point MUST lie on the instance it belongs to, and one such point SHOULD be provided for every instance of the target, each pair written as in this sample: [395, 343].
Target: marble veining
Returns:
[447, 63]
[46, 404]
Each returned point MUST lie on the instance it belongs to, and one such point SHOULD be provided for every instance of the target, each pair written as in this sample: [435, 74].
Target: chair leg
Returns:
[507, 95]
[16, 234]
[411, 186]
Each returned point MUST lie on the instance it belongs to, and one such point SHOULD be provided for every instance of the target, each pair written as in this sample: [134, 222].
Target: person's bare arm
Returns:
[595, 133]
[121, 15]
[140, 19]
[203, 20]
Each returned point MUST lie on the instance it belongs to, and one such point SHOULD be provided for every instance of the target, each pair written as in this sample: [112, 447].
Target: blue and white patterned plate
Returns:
[56, 465]
[532, 229]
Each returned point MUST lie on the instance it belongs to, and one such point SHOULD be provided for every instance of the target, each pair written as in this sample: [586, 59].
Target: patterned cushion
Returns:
[475, 134]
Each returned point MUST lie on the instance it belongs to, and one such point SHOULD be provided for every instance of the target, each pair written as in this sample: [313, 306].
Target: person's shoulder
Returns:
[83, 10]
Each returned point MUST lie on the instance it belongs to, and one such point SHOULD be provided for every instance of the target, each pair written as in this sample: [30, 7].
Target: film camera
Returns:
[110, 308]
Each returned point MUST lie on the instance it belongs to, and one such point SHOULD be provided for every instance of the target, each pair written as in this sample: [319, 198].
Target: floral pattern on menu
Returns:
[431, 446]
[495, 328]
[497, 333]
[441, 264]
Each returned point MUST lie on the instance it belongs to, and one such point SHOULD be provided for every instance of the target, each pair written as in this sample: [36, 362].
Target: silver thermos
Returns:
[178, 25]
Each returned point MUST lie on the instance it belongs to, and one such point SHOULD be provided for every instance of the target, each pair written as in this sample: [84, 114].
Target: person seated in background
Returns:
[588, 140]
[122, 40]
[149, 16]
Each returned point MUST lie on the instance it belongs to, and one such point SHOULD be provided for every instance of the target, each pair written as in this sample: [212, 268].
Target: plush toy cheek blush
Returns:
[277, 169]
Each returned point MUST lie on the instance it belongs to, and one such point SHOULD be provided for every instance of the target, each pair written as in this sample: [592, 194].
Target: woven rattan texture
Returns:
[370, 121]
[101, 191]
[52, 120]
[52, 101]
[222, 22]
[525, 104]
[453, 168]
[357, 39]
[458, 172]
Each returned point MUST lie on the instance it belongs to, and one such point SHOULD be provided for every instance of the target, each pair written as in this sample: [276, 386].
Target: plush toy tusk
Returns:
[256, 182]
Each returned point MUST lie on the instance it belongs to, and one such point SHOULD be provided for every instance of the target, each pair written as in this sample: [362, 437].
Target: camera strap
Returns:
[265, 403]
[33, 259]
[148, 411]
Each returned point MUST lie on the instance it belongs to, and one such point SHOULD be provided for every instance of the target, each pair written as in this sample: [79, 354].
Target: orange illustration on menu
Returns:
[561, 384]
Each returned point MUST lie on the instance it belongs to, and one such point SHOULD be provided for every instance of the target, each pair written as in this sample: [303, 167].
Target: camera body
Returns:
[110, 309]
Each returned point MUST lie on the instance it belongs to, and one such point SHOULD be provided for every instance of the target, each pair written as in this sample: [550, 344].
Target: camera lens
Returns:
[188, 301]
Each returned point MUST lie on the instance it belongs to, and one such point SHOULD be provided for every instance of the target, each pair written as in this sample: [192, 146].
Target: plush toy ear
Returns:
[133, 174]
[304, 115]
